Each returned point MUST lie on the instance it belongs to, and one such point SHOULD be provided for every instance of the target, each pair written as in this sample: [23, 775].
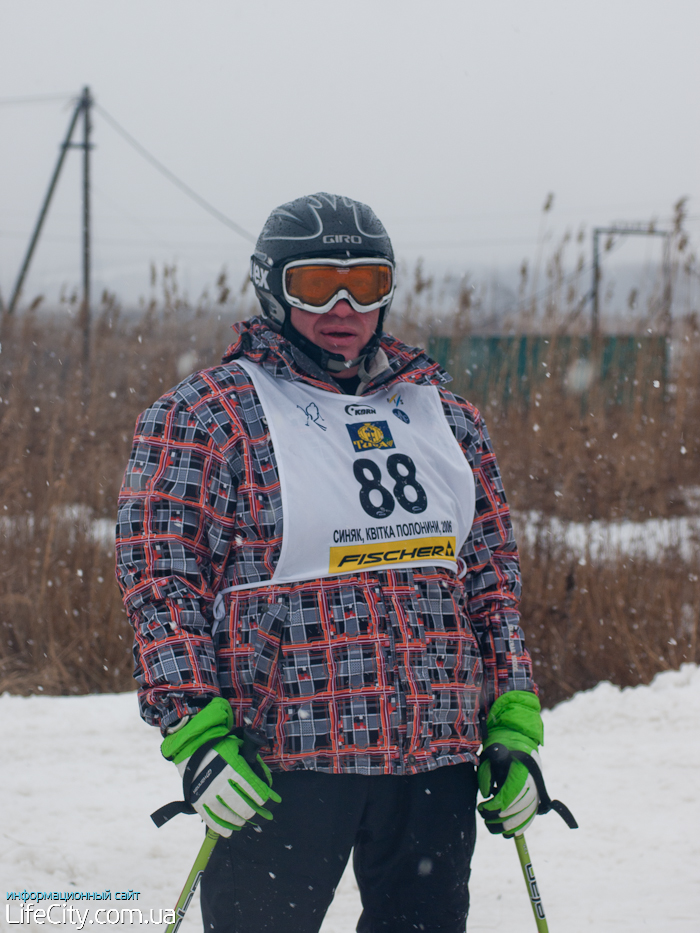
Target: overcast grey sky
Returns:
[452, 118]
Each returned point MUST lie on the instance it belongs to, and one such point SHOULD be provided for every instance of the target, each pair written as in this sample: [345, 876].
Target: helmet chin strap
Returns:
[331, 362]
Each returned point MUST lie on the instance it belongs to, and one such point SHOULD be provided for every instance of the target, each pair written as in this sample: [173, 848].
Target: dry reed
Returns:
[65, 434]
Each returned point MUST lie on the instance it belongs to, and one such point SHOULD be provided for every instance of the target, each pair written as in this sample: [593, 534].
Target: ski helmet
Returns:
[316, 226]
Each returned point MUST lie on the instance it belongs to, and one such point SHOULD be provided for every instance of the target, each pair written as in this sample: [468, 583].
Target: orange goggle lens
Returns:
[316, 285]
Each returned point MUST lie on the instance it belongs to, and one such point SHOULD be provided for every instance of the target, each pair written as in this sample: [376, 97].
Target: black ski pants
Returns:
[412, 837]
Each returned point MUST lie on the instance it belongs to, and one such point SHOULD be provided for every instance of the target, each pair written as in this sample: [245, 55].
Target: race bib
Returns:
[367, 483]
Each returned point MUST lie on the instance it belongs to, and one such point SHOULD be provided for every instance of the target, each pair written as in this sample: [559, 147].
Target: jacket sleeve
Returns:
[492, 580]
[174, 534]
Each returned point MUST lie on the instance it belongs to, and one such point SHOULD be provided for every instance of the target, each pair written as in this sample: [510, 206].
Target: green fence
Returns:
[499, 369]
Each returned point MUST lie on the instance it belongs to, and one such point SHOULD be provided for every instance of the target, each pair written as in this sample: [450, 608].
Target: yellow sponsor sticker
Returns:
[365, 556]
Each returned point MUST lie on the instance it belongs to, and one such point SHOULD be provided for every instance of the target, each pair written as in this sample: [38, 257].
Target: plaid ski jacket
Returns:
[380, 672]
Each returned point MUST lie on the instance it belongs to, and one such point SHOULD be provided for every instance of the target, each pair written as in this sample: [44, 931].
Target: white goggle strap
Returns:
[341, 293]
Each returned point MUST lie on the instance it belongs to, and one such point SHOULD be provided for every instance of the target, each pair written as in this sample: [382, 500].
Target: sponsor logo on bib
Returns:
[363, 556]
[358, 411]
[368, 435]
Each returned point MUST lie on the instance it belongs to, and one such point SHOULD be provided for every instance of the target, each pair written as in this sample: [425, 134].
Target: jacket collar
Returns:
[395, 361]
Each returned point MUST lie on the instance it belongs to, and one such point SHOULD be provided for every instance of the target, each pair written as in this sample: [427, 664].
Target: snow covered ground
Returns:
[79, 777]
[600, 540]
[596, 540]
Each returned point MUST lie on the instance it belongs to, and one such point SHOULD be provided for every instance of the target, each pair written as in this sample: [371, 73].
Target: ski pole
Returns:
[531, 882]
[252, 742]
[200, 863]
[501, 758]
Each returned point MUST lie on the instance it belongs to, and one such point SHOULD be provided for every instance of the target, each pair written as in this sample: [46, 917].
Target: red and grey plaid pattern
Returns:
[371, 673]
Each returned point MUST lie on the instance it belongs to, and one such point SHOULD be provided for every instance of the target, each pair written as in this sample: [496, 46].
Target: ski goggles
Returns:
[316, 285]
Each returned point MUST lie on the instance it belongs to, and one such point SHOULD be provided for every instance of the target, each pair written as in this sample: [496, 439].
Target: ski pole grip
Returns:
[253, 741]
[161, 816]
[501, 758]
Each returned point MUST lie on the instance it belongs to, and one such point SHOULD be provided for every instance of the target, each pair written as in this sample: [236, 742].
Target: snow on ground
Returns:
[598, 540]
[602, 541]
[80, 775]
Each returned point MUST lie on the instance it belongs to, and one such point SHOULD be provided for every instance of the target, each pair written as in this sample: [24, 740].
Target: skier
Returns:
[315, 551]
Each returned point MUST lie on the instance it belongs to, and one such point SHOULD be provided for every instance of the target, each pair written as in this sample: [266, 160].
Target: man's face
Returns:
[340, 330]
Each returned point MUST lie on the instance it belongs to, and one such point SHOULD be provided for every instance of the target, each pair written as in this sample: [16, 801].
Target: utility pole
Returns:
[595, 314]
[633, 229]
[83, 106]
[85, 313]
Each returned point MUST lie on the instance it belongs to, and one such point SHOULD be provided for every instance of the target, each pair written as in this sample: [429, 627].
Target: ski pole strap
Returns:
[253, 740]
[161, 816]
[500, 757]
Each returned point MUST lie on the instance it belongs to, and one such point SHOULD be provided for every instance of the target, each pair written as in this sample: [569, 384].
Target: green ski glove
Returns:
[222, 786]
[514, 721]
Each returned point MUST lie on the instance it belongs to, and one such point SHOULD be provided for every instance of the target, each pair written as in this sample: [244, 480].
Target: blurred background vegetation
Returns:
[597, 434]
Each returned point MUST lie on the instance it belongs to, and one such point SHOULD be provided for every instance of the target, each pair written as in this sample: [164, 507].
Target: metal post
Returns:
[44, 209]
[595, 315]
[86, 103]
[622, 229]
[667, 295]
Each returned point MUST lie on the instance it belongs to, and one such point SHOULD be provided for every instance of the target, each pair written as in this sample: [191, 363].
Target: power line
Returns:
[185, 188]
[139, 223]
[462, 244]
[151, 240]
[548, 290]
[35, 99]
